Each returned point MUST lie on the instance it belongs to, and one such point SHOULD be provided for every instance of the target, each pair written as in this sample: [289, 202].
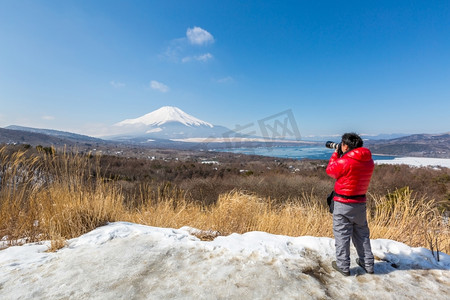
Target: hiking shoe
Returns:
[362, 266]
[334, 265]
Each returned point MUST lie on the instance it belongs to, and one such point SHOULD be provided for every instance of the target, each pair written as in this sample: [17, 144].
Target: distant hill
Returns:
[421, 145]
[56, 133]
[365, 137]
[10, 136]
[44, 137]
[418, 145]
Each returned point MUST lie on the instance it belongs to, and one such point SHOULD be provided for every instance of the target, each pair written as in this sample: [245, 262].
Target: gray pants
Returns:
[350, 222]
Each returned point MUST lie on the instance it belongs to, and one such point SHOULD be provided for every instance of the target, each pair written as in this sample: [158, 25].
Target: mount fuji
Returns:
[167, 122]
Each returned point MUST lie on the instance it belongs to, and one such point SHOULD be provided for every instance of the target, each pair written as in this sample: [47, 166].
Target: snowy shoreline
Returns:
[130, 261]
[416, 161]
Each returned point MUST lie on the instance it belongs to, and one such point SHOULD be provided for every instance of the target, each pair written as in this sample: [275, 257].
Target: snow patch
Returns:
[130, 261]
[417, 161]
[157, 129]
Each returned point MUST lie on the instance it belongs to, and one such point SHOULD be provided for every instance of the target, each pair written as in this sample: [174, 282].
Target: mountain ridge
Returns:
[169, 127]
[420, 145]
[53, 132]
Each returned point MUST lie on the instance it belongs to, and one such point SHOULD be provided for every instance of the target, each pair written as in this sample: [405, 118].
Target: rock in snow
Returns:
[130, 261]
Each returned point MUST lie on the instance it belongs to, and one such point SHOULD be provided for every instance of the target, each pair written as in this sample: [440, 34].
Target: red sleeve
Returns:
[335, 168]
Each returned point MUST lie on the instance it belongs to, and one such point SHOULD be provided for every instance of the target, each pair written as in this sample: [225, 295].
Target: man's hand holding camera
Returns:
[338, 147]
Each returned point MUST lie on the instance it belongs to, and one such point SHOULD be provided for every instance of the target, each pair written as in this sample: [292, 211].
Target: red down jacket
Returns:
[353, 172]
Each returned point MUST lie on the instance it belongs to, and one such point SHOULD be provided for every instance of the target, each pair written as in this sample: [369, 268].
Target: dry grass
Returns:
[50, 197]
[417, 222]
[238, 212]
[58, 197]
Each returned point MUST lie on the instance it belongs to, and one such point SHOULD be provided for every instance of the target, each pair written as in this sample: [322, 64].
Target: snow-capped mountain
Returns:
[167, 122]
[164, 115]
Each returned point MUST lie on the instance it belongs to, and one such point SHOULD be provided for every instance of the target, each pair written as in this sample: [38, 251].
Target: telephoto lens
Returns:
[332, 145]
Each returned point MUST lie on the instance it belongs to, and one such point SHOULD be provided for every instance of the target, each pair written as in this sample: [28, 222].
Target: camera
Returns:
[332, 145]
[335, 146]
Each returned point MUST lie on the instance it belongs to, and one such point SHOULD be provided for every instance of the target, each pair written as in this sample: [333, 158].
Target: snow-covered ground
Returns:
[130, 261]
[417, 161]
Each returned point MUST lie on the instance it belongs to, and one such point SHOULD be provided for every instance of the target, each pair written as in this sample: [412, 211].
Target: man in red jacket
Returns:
[352, 171]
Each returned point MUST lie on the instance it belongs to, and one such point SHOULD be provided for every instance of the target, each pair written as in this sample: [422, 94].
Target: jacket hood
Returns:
[361, 154]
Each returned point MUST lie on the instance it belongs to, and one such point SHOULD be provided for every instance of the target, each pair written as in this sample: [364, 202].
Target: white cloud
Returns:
[48, 118]
[174, 50]
[117, 84]
[159, 86]
[227, 79]
[181, 49]
[203, 58]
[187, 59]
[199, 36]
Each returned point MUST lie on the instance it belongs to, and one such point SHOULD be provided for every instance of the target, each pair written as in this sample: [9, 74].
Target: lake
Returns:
[295, 152]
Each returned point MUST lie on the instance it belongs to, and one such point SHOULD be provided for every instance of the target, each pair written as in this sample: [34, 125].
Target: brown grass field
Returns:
[49, 196]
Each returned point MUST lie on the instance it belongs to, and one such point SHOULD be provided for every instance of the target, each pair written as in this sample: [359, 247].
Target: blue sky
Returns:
[364, 66]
